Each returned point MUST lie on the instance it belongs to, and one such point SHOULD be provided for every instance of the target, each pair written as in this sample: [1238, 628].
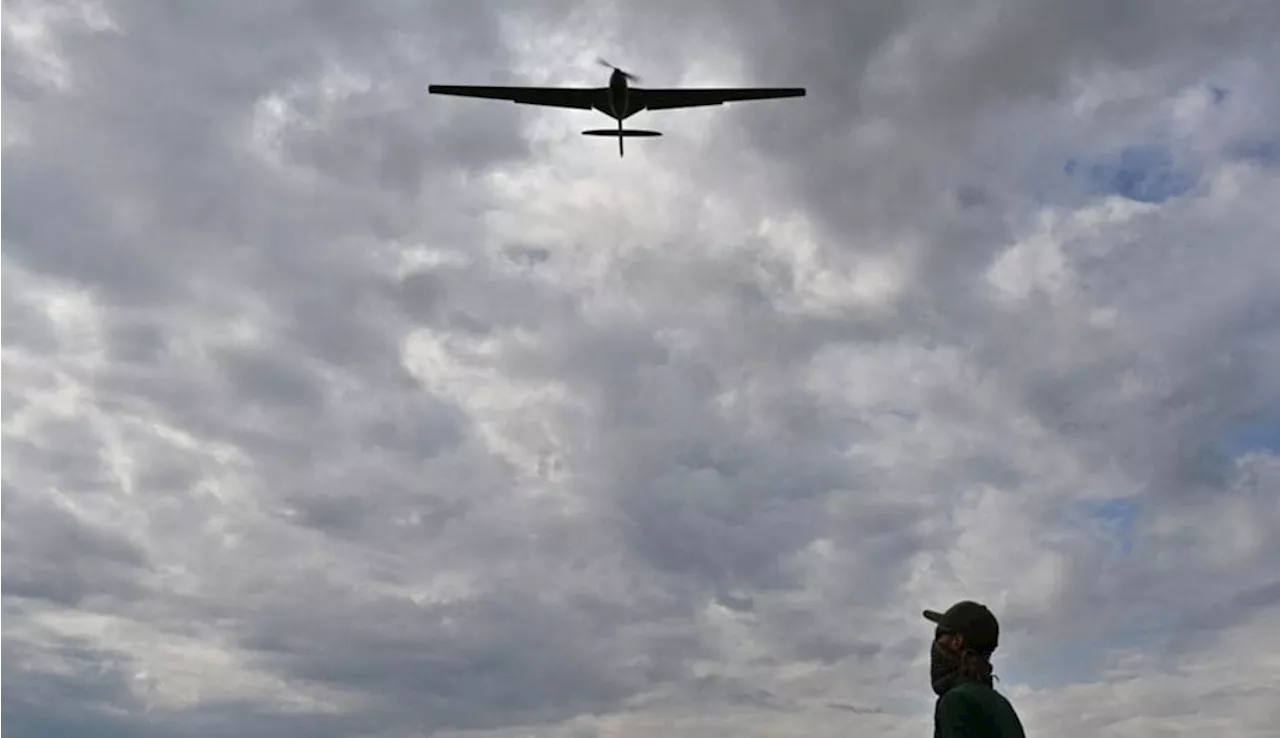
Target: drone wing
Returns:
[558, 97]
[660, 99]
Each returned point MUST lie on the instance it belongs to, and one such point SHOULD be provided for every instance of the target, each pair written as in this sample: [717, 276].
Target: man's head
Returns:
[966, 626]
[965, 638]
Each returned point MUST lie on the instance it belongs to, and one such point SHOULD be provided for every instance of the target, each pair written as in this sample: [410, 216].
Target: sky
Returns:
[333, 408]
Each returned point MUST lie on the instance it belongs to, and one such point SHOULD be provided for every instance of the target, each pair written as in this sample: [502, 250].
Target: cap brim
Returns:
[933, 616]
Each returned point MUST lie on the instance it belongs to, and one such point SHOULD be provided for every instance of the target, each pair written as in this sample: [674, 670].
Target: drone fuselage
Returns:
[619, 97]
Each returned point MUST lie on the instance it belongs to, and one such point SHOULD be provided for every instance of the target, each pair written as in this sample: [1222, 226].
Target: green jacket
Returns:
[974, 710]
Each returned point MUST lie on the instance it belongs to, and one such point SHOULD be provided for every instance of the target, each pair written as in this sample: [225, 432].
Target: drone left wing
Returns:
[558, 97]
[658, 99]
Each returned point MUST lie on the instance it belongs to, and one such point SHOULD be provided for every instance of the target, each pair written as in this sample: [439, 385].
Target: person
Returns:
[960, 668]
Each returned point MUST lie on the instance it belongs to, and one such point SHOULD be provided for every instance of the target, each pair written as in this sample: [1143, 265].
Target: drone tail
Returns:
[621, 133]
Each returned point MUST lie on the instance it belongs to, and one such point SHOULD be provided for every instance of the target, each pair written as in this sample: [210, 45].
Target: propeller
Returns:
[630, 77]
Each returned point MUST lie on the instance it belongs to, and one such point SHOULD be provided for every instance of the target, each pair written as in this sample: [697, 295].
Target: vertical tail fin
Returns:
[620, 138]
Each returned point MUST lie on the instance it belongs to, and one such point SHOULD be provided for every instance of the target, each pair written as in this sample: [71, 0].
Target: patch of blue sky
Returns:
[1160, 168]
[1260, 435]
[1116, 517]
[1142, 172]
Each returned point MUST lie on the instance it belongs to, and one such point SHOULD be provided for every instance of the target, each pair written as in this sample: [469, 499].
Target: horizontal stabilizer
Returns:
[616, 133]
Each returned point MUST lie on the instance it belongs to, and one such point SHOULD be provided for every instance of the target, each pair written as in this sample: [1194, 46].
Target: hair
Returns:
[976, 666]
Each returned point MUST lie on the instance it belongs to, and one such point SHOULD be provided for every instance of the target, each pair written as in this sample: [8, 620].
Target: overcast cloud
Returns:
[335, 409]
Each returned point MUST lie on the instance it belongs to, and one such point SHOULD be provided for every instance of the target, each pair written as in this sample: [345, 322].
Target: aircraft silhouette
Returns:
[619, 100]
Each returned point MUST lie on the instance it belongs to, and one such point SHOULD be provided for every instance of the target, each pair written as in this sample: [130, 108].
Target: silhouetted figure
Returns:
[960, 668]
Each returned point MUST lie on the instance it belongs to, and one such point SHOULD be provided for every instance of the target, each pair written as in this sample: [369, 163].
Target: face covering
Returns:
[944, 668]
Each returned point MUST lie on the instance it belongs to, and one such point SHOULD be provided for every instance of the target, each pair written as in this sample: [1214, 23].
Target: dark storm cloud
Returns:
[483, 664]
[88, 687]
[52, 556]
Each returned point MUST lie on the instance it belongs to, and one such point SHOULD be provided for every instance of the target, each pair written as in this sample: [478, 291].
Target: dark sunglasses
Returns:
[941, 631]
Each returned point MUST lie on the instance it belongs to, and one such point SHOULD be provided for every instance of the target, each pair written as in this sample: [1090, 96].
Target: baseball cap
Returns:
[972, 620]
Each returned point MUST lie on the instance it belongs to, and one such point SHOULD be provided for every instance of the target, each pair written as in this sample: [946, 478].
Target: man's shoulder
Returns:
[961, 703]
[974, 701]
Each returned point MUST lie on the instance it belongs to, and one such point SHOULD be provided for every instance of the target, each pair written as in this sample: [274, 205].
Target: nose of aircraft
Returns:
[616, 71]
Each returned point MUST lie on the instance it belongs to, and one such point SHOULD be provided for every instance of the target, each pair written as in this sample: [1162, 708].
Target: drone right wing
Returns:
[658, 99]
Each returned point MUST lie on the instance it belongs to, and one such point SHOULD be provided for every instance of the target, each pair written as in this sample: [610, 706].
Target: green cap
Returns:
[973, 621]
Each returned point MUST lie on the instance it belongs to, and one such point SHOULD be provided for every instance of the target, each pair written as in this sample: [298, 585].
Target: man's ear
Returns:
[959, 641]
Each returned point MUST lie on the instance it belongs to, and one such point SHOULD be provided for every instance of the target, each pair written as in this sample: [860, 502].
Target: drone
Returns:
[619, 99]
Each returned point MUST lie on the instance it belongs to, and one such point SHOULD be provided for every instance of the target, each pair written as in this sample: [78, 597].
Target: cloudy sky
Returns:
[333, 408]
